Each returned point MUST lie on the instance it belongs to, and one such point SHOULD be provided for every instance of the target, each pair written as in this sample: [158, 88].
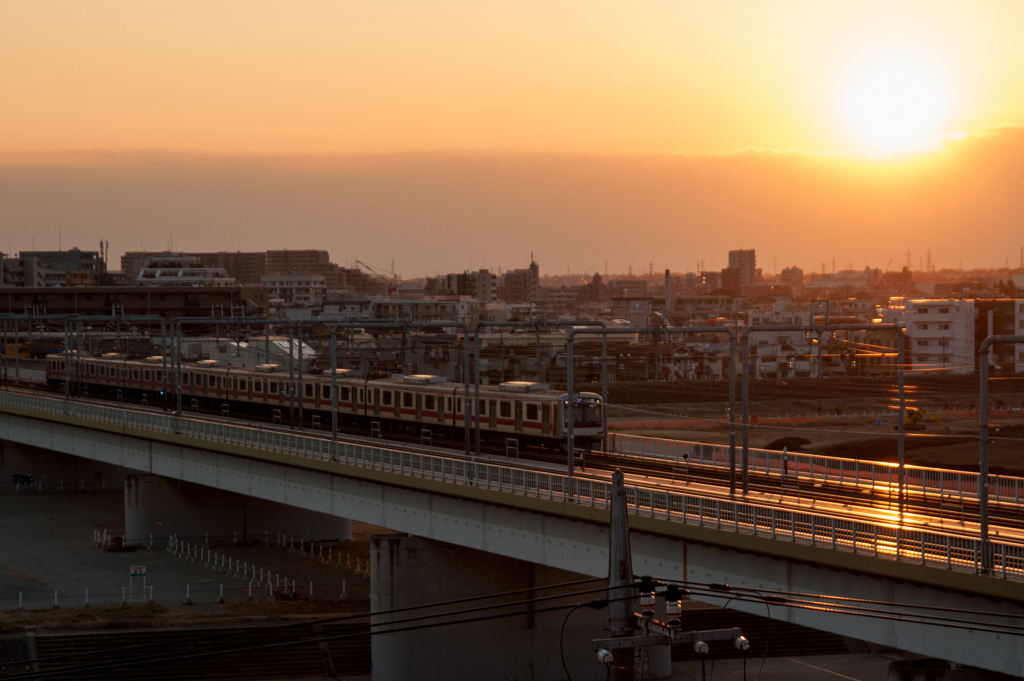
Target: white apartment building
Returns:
[296, 289]
[181, 271]
[940, 332]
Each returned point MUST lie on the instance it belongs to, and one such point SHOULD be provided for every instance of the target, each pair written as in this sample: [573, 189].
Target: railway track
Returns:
[881, 499]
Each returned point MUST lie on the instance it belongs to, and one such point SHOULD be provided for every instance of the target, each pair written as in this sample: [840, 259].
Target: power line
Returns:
[328, 620]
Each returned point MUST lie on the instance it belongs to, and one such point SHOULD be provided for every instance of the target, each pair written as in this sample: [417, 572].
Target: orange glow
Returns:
[608, 76]
[808, 131]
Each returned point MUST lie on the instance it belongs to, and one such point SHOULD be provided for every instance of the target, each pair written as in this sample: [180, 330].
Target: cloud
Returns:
[445, 211]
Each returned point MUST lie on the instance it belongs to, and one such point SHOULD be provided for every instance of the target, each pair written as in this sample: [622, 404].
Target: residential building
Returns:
[746, 262]
[181, 271]
[629, 288]
[521, 286]
[296, 289]
[732, 281]
[481, 285]
[57, 263]
[794, 276]
[166, 301]
[299, 262]
[940, 332]
[23, 271]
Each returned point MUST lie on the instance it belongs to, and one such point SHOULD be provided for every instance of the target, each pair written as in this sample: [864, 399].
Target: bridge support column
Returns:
[410, 571]
[159, 506]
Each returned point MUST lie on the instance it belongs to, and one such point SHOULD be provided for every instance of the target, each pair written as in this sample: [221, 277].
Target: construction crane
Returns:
[391, 284]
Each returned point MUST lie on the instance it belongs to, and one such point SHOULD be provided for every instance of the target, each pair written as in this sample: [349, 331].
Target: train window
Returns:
[325, 392]
[135, 374]
[309, 390]
[185, 378]
[506, 410]
[243, 384]
[159, 375]
[482, 407]
[345, 394]
[458, 405]
[257, 385]
[273, 387]
[361, 398]
[92, 370]
[147, 375]
[429, 403]
[103, 371]
[531, 412]
[211, 381]
[449, 404]
[406, 399]
[386, 398]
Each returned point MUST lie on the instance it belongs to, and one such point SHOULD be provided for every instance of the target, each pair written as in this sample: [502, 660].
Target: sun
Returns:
[895, 102]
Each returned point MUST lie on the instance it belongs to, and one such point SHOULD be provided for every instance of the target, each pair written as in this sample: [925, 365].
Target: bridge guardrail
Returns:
[881, 540]
[923, 482]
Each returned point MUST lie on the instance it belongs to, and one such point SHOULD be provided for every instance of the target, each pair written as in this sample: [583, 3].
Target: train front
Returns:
[588, 420]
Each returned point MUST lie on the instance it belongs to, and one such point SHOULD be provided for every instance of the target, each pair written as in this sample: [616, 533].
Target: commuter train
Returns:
[530, 413]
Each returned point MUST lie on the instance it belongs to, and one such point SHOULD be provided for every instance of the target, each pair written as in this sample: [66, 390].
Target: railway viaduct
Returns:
[540, 520]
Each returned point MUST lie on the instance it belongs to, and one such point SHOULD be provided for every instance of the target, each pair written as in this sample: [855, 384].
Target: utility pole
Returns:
[619, 651]
[620, 581]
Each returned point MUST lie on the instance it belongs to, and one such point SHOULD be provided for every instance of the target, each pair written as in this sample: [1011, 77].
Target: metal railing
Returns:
[882, 540]
[928, 483]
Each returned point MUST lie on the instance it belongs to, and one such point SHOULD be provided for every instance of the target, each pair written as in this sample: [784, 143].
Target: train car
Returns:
[530, 414]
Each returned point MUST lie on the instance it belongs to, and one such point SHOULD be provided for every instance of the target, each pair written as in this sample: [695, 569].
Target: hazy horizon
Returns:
[441, 212]
[461, 134]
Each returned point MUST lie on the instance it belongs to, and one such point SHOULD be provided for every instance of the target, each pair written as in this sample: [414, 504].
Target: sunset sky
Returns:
[446, 132]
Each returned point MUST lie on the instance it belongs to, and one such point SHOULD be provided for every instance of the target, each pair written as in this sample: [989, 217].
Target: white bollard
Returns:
[270, 587]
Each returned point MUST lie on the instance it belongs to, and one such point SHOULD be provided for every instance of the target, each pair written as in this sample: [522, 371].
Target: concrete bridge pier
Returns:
[159, 506]
[408, 571]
